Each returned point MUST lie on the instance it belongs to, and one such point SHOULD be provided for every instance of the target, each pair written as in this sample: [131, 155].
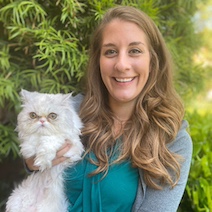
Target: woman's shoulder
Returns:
[149, 199]
[182, 144]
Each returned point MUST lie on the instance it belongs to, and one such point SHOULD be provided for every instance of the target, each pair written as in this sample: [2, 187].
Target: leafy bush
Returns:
[198, 195]
[44, 47]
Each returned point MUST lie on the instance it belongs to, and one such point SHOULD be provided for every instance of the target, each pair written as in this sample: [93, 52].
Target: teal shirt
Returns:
[114, 192]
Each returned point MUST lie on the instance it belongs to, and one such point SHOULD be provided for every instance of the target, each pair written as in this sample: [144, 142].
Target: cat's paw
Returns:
[46, 152]
[44, 160]
[43, 164]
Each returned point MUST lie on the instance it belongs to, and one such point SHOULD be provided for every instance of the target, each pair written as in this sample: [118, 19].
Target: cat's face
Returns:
[43, 123]
[44, 114]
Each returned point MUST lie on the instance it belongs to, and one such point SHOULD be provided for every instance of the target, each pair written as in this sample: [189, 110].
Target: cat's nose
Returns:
[42, 121]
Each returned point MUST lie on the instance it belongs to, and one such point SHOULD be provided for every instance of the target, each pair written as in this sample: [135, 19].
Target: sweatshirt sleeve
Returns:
[168, 199]
[77, 100]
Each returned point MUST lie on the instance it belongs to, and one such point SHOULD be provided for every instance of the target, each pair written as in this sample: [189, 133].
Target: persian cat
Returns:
[43, 125]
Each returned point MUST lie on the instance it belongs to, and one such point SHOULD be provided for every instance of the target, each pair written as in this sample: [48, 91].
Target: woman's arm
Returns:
[168, 199]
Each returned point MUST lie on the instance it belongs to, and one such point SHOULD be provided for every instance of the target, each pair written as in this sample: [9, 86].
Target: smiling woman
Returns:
[138, 152]
[133, 121]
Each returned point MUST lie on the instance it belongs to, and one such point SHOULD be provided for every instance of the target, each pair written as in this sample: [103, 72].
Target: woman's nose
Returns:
[122, 62]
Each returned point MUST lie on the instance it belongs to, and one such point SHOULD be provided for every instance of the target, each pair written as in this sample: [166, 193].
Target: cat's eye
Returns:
[52, 116]
[33, 115]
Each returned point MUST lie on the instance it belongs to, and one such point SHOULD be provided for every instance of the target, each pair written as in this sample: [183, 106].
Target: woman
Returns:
[138, 152]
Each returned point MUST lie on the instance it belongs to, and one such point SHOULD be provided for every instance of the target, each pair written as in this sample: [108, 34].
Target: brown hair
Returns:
[157, 115]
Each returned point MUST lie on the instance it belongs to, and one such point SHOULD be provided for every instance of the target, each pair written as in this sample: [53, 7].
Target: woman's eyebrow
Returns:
[108, 45]
[135, 43]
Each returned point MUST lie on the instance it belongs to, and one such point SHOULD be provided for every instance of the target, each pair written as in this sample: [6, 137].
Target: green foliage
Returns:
[44, 47]
[8, 141]
[199, 187]
[176, 24]
[44, 44]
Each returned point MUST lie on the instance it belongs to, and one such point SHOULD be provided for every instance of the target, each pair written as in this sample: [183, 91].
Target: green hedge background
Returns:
[44, 47]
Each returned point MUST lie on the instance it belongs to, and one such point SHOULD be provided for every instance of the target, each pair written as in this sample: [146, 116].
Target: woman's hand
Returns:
[57, 160]
[59, 156]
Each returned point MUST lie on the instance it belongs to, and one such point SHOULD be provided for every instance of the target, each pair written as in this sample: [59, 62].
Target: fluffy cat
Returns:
[44, 123]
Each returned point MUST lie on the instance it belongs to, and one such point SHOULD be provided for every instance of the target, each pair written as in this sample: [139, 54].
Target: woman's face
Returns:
[124, 61]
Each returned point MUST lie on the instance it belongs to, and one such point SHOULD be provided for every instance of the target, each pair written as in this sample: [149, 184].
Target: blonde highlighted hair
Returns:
[157, 115]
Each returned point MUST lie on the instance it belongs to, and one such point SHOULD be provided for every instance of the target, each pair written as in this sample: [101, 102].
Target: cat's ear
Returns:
[25, 95]
[67, 97]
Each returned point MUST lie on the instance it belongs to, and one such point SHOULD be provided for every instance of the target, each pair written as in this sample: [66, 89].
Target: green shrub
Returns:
[198, 195]
[44, 47]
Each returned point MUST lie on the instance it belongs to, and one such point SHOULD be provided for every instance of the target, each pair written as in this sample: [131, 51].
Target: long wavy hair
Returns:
[157, 115]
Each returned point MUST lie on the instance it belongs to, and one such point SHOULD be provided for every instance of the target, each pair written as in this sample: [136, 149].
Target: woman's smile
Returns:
[124, 80]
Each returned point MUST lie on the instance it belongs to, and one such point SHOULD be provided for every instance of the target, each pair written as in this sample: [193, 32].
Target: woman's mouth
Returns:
[124, 79]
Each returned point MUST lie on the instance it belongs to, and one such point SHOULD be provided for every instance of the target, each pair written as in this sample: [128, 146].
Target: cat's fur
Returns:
[41, 137]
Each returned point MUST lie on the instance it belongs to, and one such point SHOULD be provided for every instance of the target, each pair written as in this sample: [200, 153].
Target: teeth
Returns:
[124, 79]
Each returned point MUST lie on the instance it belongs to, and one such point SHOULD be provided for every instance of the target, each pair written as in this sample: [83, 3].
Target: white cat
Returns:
[44, 123]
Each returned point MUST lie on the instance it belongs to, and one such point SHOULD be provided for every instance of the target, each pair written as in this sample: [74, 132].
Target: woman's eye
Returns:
[52, 116]
[33, 115]
[110, 52]
[135, 51]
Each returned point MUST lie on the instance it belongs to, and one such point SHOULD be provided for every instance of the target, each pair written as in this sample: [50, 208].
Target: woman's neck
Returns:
[122, 113]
